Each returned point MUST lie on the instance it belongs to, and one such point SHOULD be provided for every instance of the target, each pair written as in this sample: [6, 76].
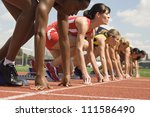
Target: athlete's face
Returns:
[114, 40]
[142, 55]
[104, 19]
[135, 55]
[123, 46]
[72, 7]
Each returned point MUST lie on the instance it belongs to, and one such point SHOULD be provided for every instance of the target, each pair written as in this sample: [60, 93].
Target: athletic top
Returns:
[52, 36]
[100, 32]
[72, 26]
[95, 39]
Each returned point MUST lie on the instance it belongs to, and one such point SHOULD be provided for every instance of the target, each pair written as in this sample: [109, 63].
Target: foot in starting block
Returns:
[3, 82]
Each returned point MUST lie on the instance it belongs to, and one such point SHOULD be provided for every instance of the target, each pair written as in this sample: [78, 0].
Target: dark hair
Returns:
[99, 7]
[135, 51]
[143, 52]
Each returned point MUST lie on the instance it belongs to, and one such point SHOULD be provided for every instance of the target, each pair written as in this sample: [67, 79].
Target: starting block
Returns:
[31, 75]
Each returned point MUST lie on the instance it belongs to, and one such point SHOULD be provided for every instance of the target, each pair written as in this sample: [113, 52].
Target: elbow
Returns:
[102, 58]
[113, 60]
[40, 34]
[79, 50]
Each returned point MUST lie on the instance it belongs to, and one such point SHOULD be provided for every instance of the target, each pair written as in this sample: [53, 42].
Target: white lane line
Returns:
[49, 91]
[124, 87]
[92, 97]
[10, 91]
[143, 80]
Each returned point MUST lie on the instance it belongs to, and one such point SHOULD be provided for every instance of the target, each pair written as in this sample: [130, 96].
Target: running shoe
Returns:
[52, 71]
[10, 75]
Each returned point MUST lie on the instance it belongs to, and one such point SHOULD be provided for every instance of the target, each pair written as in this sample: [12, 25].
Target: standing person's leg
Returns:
[40, 39]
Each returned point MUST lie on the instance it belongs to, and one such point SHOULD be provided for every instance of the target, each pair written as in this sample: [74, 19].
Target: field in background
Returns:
[143, 72]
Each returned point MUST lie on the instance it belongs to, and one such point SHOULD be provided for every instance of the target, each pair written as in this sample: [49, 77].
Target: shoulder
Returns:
[100, 36]
[81, 20]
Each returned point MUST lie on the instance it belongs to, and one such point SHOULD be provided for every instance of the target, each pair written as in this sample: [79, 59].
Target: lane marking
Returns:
[125, 87]
[49, 91]
[55, 90]
[10, 91]
[95, 97]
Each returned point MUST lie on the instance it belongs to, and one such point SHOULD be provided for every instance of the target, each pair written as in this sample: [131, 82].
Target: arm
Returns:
[114, 62]
[109, 62]
[101, 42]
[64, 45]
[119, 63]
[127, 61]
[41, 19]
[82, 27]
[137, 75]
[93, 60]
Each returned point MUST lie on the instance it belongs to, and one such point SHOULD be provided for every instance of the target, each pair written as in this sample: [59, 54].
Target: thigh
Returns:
[22, 4]
[55, 53]
[14, 11]
[72, 40]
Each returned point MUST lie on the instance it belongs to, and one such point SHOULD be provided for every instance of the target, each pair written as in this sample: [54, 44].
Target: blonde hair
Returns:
[112, 32]
[124, 40]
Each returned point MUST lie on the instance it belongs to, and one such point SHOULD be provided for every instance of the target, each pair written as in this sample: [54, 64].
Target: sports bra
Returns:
[95, 39]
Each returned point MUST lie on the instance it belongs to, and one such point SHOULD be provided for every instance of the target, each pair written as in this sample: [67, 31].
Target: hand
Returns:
[100, 78]
[137, 75]
[127, 76]
[87, 79]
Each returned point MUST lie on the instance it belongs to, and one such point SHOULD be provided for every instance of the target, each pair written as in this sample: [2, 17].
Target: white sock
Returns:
[6, 61]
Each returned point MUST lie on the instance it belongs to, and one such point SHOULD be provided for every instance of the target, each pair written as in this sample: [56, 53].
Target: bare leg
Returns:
[15, 12]
[23, 25]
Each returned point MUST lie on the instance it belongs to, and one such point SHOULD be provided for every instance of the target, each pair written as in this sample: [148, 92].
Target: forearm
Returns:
[120, 67]
[104, 64]
[64, 42]
[110, 68]
[94, 64]
[80, 55]
[127, 65]
[137, 68]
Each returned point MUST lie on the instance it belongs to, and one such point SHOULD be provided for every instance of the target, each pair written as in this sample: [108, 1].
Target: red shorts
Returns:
[51, 37]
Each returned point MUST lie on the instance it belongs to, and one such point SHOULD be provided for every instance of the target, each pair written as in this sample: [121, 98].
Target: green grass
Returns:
[143, 72]
[22, 68]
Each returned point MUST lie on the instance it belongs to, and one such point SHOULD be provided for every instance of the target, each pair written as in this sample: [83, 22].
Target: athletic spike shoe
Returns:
[52, 71]
[10, 75]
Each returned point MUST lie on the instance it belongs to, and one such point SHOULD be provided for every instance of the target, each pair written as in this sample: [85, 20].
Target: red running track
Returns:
[131, 89]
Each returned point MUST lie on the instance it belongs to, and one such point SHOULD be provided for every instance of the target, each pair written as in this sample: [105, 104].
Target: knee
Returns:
[4, 1]
[43, 8]
[30, 5]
